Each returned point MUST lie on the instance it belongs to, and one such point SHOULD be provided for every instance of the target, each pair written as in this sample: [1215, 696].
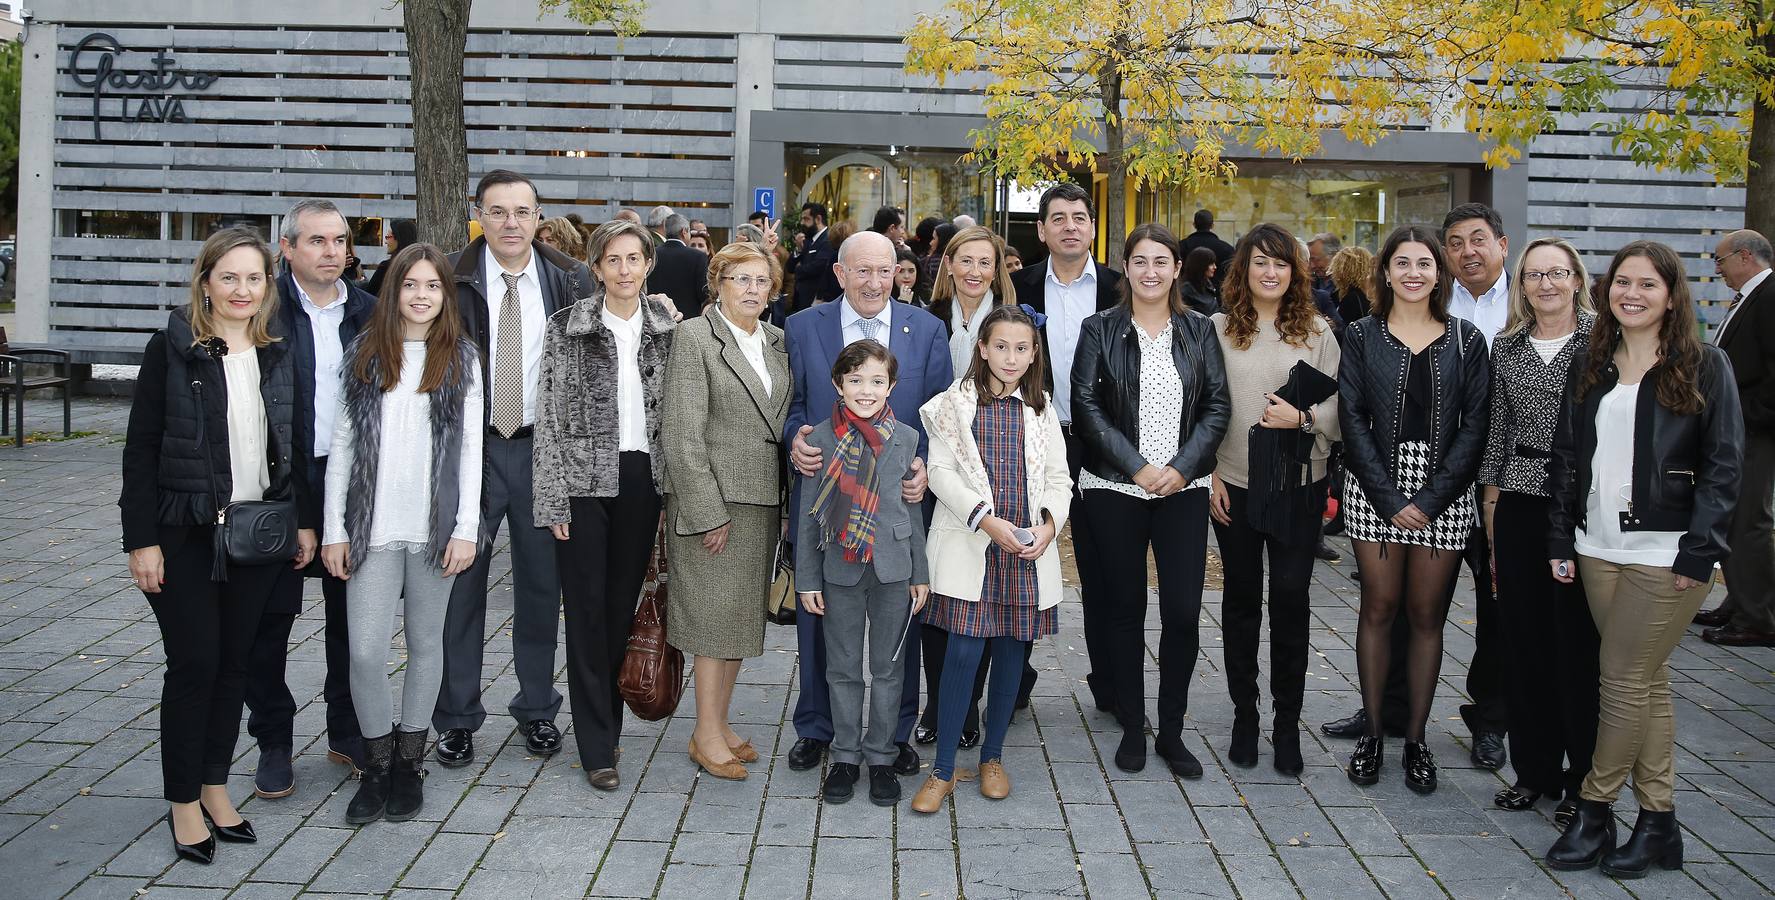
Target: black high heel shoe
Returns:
[202, 853]
[233, 834]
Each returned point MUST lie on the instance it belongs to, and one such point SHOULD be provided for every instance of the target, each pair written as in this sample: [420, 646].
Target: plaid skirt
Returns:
[1448, 531]
[990, 619]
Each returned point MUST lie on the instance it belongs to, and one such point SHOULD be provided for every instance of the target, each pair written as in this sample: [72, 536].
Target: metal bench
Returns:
[15, 383]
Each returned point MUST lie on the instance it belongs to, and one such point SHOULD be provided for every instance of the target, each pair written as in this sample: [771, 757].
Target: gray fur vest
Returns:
[363, 404]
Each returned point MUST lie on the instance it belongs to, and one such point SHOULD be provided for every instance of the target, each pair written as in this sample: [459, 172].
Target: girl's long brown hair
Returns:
[1678, 371]
[1295, 317]
[984, 380]
[378, 357]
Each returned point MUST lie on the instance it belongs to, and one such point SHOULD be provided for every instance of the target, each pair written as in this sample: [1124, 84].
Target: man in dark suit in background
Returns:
[680, 271]
[1747, 617]
[814, 278]
[1066, 288]
[1205, 237]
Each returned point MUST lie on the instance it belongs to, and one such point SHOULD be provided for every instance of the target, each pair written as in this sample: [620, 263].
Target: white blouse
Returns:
[1611, 486]
[248, 459]
[401, 516]
[631, 412]
[1161, 413]
[964, 332]
[752, 347]
[1549, 347]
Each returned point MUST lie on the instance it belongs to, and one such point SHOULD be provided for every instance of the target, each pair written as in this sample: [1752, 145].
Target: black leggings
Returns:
[1417, 578]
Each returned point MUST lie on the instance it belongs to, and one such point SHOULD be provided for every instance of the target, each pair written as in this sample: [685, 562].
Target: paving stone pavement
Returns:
[80, 667]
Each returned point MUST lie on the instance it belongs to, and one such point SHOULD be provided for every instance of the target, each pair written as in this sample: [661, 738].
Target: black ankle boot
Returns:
[1365, 763]
[1131, 753]
[1243, 751]
[1286, 738]
[406, 780]
[1655, 839]
[1420, 768]
[372, 789]
[1591, 834]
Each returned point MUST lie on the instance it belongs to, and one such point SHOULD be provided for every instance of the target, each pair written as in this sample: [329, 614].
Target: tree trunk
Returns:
[1759, 185]
[1115, 165]
[437, 35]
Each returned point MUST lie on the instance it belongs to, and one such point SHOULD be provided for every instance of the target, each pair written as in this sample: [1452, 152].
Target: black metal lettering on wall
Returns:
[93, 65]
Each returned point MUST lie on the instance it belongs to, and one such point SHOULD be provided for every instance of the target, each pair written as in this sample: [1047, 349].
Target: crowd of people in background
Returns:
[910, 418]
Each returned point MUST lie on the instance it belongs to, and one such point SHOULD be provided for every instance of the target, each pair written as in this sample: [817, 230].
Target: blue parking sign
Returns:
[764, 200]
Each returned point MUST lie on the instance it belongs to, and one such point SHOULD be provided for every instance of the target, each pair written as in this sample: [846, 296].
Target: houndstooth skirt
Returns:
[1448, 531]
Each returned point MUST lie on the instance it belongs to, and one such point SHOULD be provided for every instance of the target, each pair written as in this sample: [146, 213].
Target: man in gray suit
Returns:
[507, 285]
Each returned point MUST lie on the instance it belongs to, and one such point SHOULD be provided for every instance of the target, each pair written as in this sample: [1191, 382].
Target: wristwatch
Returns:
[1306, 420]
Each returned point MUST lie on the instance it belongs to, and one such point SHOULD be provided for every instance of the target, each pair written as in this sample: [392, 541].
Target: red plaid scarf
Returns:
[846, 499]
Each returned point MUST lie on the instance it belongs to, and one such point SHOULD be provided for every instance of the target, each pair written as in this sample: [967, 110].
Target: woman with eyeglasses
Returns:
[728, 381]
[1553, 682]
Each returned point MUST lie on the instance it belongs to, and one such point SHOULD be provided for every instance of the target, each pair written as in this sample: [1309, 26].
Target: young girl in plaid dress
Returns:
[998, 469]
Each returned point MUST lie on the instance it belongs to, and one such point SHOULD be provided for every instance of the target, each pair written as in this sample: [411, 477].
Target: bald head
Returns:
[865, 268]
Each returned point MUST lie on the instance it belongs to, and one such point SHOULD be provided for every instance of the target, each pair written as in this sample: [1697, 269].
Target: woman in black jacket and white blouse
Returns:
[1149, 395]
[211, 425]
[1413, 384]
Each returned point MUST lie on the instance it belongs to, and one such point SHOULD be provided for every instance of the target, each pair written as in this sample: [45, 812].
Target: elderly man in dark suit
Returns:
[865, 311]
[1747, 617]
[680, 271]
[1066, 288]
[507, 285]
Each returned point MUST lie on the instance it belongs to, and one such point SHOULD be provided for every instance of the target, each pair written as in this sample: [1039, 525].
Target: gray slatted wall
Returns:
[324, 113]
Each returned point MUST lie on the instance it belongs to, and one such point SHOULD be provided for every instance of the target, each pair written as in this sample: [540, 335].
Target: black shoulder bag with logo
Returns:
[250, 532]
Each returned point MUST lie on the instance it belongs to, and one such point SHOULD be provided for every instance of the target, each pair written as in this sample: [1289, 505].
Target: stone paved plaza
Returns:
[80, 811]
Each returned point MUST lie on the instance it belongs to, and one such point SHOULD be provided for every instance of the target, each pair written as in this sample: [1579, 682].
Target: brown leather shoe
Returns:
[994, 783]
[1713, 618]
[604, 779]
[1734, 636]
[745, 752]
[930, 795]
[731, 770]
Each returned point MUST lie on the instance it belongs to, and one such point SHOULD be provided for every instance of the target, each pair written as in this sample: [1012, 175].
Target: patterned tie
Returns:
[870, 327]
[1736, 296]
[508, 362]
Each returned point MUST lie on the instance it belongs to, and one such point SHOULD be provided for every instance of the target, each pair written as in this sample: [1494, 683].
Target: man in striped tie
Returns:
[508, 285]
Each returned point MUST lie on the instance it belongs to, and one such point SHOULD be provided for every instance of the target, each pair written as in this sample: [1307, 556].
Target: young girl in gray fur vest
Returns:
[403, 511]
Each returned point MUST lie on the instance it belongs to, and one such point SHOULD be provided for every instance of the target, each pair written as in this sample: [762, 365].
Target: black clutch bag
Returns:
[248, 532]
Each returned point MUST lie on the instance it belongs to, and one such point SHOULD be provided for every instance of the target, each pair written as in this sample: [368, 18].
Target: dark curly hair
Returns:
[1296, 318]
[1678, 373]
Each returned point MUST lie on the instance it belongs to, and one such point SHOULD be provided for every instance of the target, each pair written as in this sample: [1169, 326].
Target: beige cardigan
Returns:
[957, 553]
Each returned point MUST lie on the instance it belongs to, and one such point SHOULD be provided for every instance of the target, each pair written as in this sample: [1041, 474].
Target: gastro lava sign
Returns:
[148, 94]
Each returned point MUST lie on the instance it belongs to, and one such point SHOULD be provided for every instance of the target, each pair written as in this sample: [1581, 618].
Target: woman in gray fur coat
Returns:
[403, 511]
[599, 467]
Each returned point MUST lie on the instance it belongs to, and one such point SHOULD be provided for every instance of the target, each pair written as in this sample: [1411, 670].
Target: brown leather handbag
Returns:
[652, 676]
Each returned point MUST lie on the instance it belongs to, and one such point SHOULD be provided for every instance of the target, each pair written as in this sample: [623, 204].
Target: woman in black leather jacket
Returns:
[1645, 465]
[1149, 398]
[1414, 385]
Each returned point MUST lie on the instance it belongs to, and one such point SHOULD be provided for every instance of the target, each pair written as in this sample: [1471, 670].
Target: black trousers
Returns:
[602, 566]
[1553, 672]
[1242, 600]
[207, 629]
[1084, 556]
[271, 708]
[1122, 527]
[1487, 673]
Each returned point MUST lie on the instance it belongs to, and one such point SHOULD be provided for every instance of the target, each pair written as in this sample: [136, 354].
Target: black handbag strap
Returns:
[209, 465]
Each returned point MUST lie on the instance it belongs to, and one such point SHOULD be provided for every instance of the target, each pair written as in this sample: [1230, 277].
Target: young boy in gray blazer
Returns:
[860, 562]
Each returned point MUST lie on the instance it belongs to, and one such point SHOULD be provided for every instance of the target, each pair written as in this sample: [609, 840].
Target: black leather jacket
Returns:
[1371, 396]
[1106, 395]
[1685, 468]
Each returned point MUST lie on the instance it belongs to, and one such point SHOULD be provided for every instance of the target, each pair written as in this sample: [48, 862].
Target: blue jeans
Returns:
[959, 665]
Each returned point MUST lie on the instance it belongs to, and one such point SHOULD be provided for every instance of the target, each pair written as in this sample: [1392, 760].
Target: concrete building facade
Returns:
[147, 126]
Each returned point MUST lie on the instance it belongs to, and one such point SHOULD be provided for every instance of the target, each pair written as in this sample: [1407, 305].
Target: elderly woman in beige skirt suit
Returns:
[727, 396]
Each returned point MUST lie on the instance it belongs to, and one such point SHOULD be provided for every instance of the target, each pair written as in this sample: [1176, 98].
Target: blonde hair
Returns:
[220, 244]
[1522, 312]
[1352, 267]
[743, 252]
[565, 236]
[1002, 291]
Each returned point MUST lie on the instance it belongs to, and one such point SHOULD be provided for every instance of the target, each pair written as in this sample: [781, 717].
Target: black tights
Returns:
[1418, 577]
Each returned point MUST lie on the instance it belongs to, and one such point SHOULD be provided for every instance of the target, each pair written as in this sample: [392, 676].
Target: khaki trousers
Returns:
[1641, 616]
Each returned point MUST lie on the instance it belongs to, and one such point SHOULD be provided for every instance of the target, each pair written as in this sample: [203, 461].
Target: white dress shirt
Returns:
[1488, 312]
[1067, 307]
[1742, 292]
[848, 317]
[751, 347]
[247, 458]
[964, 333]
[329, 354]
[535, 315]
[631, 413]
